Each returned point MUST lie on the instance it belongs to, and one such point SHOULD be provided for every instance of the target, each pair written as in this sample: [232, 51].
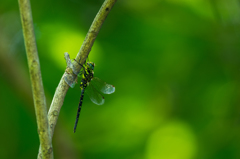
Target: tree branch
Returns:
[36, 79]
[81, 57]
[93, 31]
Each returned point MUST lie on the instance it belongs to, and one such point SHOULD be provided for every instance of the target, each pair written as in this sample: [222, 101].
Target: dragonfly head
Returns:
[91, 65]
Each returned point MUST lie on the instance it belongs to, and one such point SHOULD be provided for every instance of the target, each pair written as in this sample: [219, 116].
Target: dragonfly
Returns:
[93, 86]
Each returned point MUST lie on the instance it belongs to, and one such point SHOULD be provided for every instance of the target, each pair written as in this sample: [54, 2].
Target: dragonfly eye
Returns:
[91, 65]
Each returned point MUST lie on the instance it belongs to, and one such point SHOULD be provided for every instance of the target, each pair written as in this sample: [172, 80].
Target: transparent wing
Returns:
[94, 95]
[103, 86]
[70, 80]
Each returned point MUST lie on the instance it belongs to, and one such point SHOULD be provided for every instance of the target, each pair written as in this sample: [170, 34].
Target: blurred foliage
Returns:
[175, 65]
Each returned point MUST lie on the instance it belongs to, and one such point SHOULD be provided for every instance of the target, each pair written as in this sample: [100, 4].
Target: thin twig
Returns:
[93, 31]
[36, 79]
[81, 57]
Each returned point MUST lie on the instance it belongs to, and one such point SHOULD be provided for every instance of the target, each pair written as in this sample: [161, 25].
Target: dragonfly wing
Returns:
[94, 95]
[103, 86]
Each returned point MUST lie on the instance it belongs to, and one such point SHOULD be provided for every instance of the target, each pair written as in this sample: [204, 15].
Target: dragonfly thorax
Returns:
[87, 75]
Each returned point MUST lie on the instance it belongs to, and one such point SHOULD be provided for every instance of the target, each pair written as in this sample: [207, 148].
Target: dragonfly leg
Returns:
[78, 62]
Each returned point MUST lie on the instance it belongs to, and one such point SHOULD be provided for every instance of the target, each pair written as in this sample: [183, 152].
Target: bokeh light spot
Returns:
[63, 39]
[172, 141]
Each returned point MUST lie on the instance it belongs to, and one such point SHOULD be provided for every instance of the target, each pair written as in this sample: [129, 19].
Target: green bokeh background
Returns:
[175, 65]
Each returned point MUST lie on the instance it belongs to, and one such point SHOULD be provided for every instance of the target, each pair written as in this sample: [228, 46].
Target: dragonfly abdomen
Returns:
[83, 84]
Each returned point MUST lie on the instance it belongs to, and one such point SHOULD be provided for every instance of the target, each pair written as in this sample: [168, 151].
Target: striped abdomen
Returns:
[79, 108]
